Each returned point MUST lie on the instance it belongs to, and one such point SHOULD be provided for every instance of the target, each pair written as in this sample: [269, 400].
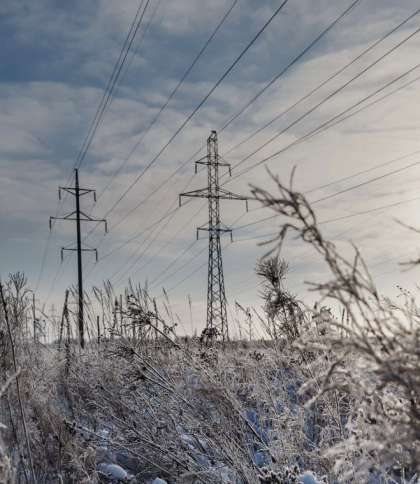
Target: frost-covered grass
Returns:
[322, 398]
[158, 411]
[138, 411]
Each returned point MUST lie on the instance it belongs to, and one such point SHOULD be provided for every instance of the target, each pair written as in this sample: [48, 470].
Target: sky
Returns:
[56, 61]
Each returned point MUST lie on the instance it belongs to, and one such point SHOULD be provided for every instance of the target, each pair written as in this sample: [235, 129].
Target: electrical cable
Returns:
[378, 60]
[61, 204]
[336, 194]
[277, 11]
[320, 129]
[331, 26]
[171, 96]
[325, 82]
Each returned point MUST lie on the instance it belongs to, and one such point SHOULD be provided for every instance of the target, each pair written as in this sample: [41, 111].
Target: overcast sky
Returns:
[56, 60]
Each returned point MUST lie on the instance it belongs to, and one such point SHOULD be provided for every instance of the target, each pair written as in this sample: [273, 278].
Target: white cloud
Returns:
[46, 111]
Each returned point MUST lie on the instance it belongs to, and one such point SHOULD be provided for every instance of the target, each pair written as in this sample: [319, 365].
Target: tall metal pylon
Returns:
[217, 325]
[78, 215]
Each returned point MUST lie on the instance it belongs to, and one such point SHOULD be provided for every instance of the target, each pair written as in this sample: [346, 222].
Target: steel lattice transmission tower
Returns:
[217, 326]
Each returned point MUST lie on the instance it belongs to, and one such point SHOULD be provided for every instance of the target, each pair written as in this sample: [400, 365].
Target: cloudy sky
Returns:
[56, 61]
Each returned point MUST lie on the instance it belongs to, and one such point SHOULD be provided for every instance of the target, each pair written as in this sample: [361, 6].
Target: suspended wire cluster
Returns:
[106, 99]
[154, 230]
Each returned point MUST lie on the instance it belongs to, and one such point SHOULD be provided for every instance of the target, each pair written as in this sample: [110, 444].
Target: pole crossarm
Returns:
[87, 218]
[75, 249]
[72, 191]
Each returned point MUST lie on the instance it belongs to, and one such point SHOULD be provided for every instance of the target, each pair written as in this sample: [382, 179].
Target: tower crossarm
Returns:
[202, 193]
[225, 195]
[214, 229]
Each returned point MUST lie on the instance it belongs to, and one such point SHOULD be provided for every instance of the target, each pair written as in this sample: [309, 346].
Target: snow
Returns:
[113, 471]
[308, 478]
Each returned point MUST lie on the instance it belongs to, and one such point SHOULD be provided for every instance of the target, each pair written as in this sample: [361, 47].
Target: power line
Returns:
[312, 133]
[373, 276]
[311, 261]
[343, 217]
[266, 87]
[150, 234]
[178, 258]
[389, 33]
[133, 54]
[171, 95]
[174, 262]
[336, 194]
[199, 105]
[90, 133]
[120, 80]
[171, 240]
[155, 119]
[191, 274]
[344, 14]
[112, 92]
[254, 284]
[182, 167]
[389, 94]
[381, 165]
[108, 93]
[169, 213]
[320, 258]
[325, 126]
[367, 182]
[223, 126]
[286, 69]
[335, 236]
[324, 82]
[325, 100]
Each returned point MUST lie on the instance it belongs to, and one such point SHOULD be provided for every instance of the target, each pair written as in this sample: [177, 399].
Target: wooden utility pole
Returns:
[79, 216]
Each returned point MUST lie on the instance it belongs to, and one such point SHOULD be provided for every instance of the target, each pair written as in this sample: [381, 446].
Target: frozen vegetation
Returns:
[320, 398]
